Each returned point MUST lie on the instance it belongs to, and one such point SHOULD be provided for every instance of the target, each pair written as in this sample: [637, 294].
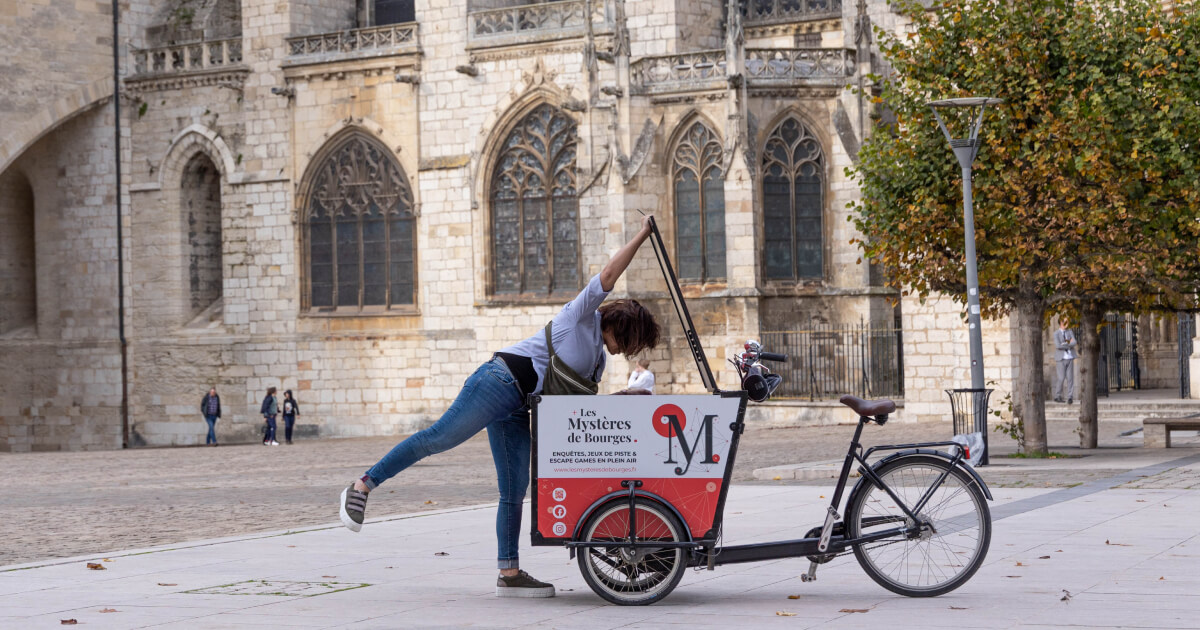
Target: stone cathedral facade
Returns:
[360, 201]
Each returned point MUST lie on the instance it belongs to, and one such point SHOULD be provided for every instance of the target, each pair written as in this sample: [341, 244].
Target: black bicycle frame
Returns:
[837, 544]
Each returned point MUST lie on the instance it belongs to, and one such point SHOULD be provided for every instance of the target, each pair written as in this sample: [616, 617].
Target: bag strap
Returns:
[550, 344]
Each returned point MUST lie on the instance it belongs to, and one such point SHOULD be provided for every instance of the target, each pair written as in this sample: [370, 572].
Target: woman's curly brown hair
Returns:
[632, 325]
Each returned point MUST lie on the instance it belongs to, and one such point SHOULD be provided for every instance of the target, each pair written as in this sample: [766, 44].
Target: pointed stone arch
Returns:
[531, 192]
[695, 166]
[793, 178]
[357, 215]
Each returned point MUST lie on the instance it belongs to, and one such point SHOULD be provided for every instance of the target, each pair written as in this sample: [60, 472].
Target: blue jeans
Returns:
[212, 434]
[489, 399]
[269, 434]
[289, 421]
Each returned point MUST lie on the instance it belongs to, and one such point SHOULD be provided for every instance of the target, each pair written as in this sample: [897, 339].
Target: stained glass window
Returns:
[699, 205]
[535, 208]
[793, 203]
[359, 229]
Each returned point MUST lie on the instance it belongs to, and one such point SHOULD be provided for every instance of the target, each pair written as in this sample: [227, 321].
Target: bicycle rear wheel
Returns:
[632, 576]
[940, 556]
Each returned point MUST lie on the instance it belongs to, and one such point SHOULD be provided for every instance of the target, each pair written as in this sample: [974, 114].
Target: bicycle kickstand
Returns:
[811, 576]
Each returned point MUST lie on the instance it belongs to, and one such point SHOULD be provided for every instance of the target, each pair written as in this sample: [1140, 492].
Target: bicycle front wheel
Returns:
[932, 557]
[632, 576]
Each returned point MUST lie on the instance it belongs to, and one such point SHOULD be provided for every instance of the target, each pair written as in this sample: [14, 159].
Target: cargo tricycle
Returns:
[635, 488]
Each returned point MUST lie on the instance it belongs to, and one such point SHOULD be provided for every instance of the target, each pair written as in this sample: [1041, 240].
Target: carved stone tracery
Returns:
[793, 166]
[698, 178]
[535, 207]
[359, 228]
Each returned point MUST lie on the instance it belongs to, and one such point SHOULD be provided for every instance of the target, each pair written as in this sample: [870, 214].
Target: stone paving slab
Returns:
[1126, 556]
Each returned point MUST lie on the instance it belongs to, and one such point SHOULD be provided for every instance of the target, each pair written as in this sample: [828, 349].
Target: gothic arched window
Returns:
[359, 228]
[200, 201]
[699, 205]
[793, 203]
[535, 208]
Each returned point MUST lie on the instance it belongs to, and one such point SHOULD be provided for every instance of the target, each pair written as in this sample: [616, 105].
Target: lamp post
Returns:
[965, 149]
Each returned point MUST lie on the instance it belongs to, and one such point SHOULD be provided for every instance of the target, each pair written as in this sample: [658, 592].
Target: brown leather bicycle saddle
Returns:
[868, 407]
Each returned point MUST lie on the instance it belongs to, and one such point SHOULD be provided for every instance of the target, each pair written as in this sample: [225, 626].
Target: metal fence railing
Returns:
[826, 362]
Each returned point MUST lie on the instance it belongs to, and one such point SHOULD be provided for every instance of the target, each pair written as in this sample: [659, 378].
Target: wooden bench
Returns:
[1156, 432]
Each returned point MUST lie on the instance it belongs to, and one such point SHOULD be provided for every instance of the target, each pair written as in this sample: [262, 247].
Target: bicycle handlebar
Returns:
[771, 356]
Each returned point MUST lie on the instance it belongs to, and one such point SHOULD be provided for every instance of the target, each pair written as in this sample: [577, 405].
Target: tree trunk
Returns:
[1031, 382]
[1089, 365]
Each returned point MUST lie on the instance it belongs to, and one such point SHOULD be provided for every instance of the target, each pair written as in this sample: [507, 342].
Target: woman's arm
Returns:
[621, 259]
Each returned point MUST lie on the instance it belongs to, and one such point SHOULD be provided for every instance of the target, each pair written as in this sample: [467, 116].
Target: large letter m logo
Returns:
[689, 450]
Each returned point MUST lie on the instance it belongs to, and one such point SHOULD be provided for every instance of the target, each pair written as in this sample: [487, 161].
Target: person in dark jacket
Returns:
[270, 409]
[290, 410]
[210, 408]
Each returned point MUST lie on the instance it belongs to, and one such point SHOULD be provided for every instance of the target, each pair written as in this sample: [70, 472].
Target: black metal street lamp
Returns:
[965, 149]
[969, 406]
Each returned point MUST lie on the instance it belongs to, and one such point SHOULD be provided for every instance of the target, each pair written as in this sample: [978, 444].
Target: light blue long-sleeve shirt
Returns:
[576, 336]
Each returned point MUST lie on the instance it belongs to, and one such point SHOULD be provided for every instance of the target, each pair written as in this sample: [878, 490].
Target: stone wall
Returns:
[62, 384]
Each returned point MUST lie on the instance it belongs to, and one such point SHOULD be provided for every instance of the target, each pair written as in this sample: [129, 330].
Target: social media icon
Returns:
[559, 511]
[559, 494]
[560, 529]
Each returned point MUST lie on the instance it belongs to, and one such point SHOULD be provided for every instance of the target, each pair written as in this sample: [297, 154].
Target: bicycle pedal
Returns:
[811, 575]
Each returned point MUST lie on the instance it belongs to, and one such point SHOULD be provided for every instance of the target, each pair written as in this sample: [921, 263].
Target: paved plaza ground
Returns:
[55, 505]
[246, 536]
[1105, 554]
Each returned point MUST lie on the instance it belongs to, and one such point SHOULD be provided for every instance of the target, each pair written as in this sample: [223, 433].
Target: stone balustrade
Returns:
[193, 57]
[537, 22]
[763, 12]
[707, 69]
[668, 73]
[788, 65]
[386, 38]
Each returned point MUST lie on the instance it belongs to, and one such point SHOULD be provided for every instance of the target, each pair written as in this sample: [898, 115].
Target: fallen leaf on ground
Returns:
[793, 597]
[855, 610]
[1066, 596]
[167, 584]
[781, 613]
[329, 576]
[1116, 544]
[441, 553]
[389, 567]
[1162, 578]
[776, 478]
[96, 566]
[431, 503]
[68, 622]
[291, 546]
[957, 608]
[1058, 551]
[108, 610]
[1043, 557]
[106, 560]
[1020, 564]
[1141, 500]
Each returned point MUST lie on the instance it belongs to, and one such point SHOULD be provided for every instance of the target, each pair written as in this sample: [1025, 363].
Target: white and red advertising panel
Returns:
[678, 446]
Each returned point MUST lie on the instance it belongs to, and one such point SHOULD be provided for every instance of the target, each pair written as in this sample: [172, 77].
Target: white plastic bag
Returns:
[974, 443]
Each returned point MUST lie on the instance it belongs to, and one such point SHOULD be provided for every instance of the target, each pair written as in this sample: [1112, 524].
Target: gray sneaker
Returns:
[522, 585]
[353, 508]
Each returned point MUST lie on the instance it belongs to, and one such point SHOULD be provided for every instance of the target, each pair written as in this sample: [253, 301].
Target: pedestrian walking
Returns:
[494, 398]
[210, 408]
[642, 377]
[291, 409]
[1064, 356]
[270, 409]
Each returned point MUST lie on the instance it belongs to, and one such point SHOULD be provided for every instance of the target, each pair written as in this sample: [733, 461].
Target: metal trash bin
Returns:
[969, 408]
